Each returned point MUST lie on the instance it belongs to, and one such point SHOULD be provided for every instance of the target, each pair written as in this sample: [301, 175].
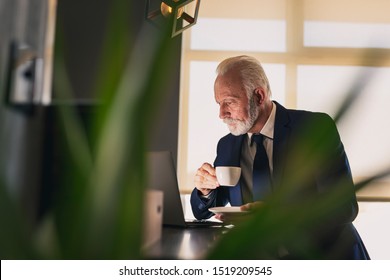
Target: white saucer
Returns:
[227, 210]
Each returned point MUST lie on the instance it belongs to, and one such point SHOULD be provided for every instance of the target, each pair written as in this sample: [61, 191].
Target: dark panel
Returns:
[20, 127]
[82, 24]
[30, 154]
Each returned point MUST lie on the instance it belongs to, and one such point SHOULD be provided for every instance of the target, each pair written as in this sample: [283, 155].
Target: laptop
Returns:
[162, 176]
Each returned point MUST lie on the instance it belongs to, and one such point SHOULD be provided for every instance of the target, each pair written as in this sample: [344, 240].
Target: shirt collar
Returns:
[268, 128]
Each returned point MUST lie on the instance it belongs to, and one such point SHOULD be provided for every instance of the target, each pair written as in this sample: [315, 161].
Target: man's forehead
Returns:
[223, 93]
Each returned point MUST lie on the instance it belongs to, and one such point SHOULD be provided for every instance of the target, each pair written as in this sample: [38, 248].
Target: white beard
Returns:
[238, 127]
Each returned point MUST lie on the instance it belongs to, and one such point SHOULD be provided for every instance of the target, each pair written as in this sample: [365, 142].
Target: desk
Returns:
[185, 243]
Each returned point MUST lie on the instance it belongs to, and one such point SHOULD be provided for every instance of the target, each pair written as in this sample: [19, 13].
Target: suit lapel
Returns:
[235, 192]
[281, 136]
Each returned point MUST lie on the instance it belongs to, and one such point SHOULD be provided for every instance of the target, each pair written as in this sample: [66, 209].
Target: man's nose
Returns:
[223, 112]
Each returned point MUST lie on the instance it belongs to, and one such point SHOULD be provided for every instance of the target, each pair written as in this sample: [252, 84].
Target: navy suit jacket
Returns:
[302, 141]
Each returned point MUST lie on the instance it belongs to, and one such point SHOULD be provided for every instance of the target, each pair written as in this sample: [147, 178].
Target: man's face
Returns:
[235, 109]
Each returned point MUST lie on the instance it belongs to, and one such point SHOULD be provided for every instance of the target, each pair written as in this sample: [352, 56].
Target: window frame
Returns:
[296, 54]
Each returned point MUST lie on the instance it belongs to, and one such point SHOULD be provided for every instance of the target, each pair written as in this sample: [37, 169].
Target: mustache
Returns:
[230, 121]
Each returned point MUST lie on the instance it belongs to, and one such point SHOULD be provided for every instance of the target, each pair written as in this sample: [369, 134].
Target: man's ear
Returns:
[259, 95]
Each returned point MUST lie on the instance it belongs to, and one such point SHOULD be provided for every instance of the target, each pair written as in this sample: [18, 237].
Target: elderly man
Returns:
[271, 144]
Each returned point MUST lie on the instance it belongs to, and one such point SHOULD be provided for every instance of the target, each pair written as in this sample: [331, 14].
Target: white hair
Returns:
[250, 70]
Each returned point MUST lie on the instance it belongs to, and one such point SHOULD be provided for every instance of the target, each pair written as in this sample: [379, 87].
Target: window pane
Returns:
[369, 223]
[367, 142]
[204, 125]
[349, 35]
[239, 35]
[368, 11]
[253, 9]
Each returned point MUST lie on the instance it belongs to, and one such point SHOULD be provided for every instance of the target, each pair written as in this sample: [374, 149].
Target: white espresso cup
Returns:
[228, 175]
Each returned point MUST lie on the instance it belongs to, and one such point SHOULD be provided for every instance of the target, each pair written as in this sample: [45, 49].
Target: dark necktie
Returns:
[261, 172]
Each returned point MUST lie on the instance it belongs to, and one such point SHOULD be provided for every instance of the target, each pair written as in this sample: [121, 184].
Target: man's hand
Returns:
[237, 217]
[205, 179]
[233, 218]
[251, 206]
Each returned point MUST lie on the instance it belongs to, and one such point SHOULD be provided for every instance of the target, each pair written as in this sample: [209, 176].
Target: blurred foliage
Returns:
[99, 213]
[107, 220]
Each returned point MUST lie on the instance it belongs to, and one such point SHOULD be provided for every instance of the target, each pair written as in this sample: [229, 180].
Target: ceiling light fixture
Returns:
[181, 14]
